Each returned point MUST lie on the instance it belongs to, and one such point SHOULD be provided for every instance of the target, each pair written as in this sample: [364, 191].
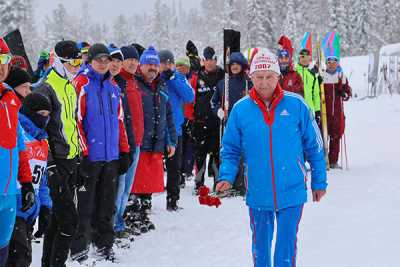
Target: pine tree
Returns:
[121, 31]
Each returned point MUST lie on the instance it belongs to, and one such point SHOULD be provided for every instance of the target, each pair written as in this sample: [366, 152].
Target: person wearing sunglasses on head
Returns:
[337, 90]
[310, 83]
[62, 134]
[105, 150]
[13, 154]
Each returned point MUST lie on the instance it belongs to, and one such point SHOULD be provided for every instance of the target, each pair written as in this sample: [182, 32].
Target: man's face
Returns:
[150, 71]
[23, 89]
[3, 72]
[130, 65]
[115, 66]
[304, 60]
[72, 69]
[235, 68]
[101, 64]
[210, 65]
[84, 57]
[182, 69]
[166, 66]
[284, 61]
[265, 83]
[331, 64]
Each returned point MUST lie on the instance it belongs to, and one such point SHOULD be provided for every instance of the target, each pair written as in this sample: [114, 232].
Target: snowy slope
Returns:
[356, 225]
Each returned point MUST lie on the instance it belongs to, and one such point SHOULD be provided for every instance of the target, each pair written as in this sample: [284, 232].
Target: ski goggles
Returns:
[75, 62]
[5, 59]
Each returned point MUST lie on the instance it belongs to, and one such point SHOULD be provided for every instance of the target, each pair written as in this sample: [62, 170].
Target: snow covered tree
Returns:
[121, 31]
[290, 27]
[59, 26]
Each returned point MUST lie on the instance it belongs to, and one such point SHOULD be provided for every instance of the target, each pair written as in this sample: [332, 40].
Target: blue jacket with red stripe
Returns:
[274, 139]
[102, 133]
[35, 140]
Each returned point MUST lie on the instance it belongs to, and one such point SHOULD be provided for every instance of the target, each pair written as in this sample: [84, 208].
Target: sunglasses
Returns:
[5, 59]
[304, 56]
[75, 62]
[84, 50]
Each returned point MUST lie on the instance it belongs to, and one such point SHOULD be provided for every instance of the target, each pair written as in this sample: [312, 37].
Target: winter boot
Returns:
[145, 212]
[172, 205]
[106, 253]
[81, 256]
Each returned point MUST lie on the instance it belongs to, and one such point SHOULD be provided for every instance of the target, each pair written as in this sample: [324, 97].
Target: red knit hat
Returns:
[4, 47]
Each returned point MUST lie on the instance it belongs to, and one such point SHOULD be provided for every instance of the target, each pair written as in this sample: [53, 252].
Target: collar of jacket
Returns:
[31, 128]
[268, 112]
[126, 75]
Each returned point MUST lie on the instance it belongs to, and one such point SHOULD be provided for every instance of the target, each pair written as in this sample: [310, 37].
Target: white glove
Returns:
[221, 114]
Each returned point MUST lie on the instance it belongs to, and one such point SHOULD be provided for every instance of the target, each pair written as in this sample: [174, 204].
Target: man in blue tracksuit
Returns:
[33, 117]
[180, 92]
[273, 129]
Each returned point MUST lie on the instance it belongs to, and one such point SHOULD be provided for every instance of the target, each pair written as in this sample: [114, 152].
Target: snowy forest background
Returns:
[364, 25]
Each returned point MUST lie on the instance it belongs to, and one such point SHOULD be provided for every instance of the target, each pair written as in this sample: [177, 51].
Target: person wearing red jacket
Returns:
[290, 78]
[133, 109]
[14, 158]
[337, 90]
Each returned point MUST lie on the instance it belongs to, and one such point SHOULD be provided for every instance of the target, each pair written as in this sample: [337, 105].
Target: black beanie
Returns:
[35, 102]
[97, 51]
[67, 50]
[139, 48]
[17, 76]
[209, 53]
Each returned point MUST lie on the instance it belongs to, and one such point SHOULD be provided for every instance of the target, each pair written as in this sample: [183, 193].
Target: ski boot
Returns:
[106, 253]
[145, 212]
[81, 256]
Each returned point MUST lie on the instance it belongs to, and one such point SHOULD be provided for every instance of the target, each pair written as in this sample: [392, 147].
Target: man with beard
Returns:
[206, 123]
[159, 134]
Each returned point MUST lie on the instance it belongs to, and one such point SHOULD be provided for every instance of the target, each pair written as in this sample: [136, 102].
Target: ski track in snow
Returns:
[356, 224]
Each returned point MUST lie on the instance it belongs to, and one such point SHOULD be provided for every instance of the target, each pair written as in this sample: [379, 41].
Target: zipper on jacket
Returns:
[8, 116]
[100, 101]
[10, 176]
[110, 100]
[272, 168]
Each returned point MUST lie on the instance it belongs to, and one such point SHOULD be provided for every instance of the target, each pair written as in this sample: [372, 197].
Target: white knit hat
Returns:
[264, 60]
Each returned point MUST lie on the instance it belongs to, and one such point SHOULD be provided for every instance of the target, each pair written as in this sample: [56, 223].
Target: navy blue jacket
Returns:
[159, 127]
[237, 89]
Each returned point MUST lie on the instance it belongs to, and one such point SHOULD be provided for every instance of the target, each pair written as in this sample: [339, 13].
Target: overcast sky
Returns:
[102, 9]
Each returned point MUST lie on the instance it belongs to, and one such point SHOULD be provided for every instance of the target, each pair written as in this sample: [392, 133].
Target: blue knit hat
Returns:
[150, 56]
[115, 52]
[130, 52]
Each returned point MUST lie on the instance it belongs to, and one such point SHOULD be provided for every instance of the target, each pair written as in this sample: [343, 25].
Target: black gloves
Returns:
[28, 196]
[318, 117]
[44, 220]
[125, 162]
[191, 49]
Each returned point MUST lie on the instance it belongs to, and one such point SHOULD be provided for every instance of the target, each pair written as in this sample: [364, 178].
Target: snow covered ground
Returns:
[356, 225]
